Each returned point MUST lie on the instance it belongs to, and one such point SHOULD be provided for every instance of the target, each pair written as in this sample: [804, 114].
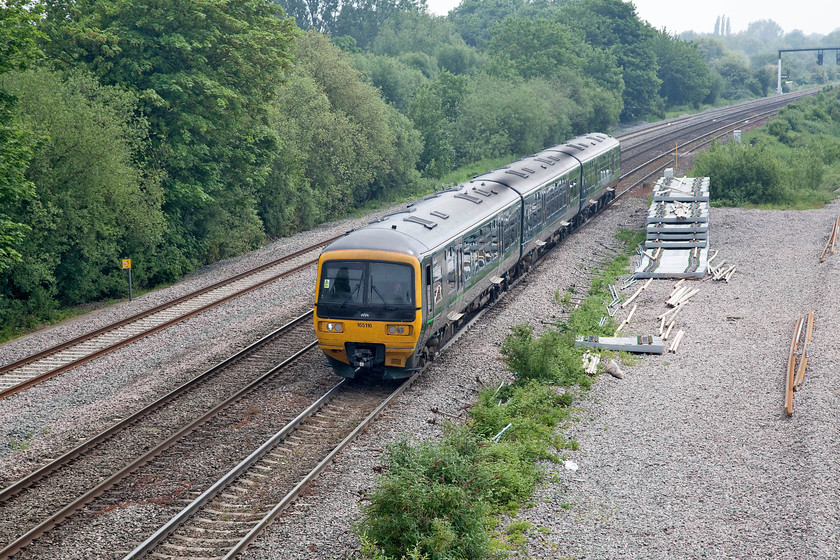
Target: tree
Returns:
[735, 73]
[434, 113]
[613, 25]
[766, 30]
[95, 200]
[397, 81]
[550, 50]
[342, 145]
[475, 18]
[686, 78]
[204, 72]
[18, 35]
[361, 19]
[319, 15]
[536, 48]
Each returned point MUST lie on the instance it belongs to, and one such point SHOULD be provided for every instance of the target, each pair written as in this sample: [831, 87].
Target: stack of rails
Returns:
[677, 244]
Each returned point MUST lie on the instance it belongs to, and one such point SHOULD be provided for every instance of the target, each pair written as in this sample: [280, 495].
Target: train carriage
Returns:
[391, 292]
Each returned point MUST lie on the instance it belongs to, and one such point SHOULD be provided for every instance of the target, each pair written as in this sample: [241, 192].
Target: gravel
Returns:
[689, 456]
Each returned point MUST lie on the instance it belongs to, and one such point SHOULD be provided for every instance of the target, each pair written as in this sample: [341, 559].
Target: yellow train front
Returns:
[367, 316]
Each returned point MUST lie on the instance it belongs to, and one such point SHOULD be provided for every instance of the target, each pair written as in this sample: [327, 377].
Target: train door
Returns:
[434, 285]
[453, 271]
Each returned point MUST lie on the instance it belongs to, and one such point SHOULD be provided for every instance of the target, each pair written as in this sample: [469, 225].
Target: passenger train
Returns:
[391, 293]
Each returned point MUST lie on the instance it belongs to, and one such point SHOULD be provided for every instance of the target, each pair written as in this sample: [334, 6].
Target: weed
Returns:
[22, 444]
[517, 531]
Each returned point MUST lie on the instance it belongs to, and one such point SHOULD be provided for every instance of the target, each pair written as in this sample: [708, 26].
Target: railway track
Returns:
[690, 134]
[34, 369]
[228, 516]
[45, 498]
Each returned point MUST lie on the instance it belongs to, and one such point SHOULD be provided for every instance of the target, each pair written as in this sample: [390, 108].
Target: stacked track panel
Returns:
[677, 244]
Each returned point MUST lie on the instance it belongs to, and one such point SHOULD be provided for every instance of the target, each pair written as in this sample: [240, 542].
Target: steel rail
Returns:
[295, 492]
[76, 504]
[732, 111]
[701, 141]
[189, 511]
[253, 459]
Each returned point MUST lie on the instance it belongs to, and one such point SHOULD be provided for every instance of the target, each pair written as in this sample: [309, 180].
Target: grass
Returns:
[445, 499]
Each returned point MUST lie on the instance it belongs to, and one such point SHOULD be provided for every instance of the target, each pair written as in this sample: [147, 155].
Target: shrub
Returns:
[741, 174]
[429, 499]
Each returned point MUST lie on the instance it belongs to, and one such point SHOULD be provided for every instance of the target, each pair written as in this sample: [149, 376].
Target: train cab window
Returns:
[390, 284]
[367, 289]
[341, 282]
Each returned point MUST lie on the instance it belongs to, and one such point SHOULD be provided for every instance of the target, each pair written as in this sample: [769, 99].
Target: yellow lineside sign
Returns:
[126, 263]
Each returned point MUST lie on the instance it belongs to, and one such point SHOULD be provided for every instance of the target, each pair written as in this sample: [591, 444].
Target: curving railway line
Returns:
[107, 469]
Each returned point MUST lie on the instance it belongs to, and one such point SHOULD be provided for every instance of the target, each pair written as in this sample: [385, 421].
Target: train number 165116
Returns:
[365, 325]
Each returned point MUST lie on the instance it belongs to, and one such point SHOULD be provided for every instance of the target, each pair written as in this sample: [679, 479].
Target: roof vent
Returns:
[471, 198]
[428, 224]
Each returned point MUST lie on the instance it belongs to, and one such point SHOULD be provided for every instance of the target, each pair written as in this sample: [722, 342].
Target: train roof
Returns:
[529, 173]
[439, 218]
[430, 222]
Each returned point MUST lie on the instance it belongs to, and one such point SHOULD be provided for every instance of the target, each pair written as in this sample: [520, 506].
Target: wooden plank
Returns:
[627, 320]
[809, 331]
[791, 368]
[639, 291]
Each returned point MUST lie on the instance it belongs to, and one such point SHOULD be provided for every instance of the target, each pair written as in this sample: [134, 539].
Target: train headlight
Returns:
[332, 327]
[399, 330]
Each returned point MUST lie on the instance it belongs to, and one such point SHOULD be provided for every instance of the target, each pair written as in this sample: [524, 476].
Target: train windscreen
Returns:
[366, 290]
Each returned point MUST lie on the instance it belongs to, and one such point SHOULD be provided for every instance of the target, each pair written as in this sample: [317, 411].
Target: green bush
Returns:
[429, 499]
[435, 498]
[741, 174]
[788, 163]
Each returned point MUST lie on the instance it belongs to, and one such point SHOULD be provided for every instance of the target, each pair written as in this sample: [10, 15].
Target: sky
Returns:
[809, 16]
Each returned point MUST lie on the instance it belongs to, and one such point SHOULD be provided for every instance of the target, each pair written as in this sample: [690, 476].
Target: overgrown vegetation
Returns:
[440, 500]
[792, 162]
